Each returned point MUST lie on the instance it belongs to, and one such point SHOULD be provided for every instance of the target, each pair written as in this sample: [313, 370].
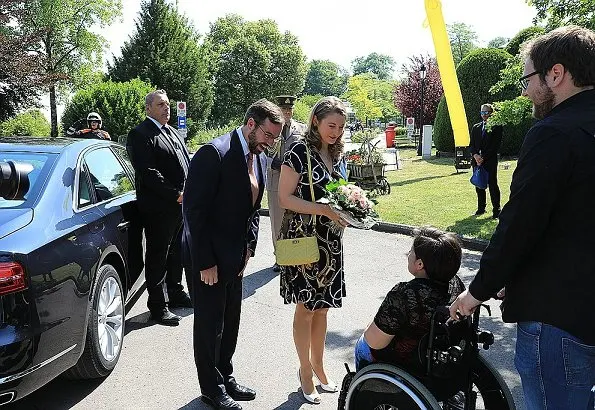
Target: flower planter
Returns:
[365, 170]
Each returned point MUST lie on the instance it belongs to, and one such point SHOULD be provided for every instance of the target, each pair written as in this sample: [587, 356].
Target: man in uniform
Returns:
[292, 131]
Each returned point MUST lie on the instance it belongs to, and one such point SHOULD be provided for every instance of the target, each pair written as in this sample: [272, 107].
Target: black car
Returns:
[70, 259]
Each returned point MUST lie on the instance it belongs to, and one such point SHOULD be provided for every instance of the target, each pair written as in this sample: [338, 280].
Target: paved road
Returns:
[156, 369]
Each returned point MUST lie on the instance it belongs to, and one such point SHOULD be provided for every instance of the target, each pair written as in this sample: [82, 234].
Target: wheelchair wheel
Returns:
[492, 390]
[386, 387]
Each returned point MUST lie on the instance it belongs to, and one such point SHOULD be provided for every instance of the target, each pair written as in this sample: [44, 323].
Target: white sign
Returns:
[410, 124]
[181, 108]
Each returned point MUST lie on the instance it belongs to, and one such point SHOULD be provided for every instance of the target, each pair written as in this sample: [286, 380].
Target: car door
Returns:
[115, 193]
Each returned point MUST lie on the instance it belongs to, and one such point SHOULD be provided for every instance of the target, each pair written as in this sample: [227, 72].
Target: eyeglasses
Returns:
[524, 80]
[268, 134]
[485, 112]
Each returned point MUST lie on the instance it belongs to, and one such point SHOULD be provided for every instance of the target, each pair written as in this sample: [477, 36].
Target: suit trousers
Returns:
[163, 256]
[217, 310]
[492, 186]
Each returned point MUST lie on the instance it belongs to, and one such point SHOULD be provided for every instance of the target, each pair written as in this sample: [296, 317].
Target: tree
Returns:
[371, 97]
[379, 64]
[514, 45]
[22, 76]
[303, 107]
[407, 94]
[558, 13]
[498, 42]
[29, 123]
[121, 105]
[164, 51]
[68, 45]
[326, 78]
[251, 60]
[463, 40]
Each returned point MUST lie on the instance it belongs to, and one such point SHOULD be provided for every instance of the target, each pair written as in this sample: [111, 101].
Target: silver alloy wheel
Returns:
[109, 319]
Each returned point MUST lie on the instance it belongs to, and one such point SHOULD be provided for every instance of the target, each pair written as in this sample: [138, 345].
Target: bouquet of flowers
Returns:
[354, 204]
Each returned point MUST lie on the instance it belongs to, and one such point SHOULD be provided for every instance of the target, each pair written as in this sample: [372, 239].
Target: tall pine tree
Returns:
[164, 51]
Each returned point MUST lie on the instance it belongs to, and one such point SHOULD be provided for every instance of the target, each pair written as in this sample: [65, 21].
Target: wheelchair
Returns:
[449, 373]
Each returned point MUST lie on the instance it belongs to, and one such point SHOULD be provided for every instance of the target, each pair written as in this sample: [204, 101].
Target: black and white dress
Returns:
[322, 284]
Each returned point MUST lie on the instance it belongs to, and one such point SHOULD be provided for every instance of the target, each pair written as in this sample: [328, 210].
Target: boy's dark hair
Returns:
[439, 251]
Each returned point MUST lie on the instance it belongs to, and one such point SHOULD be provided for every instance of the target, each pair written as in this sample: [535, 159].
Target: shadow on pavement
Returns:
[257, 280]
[59, 394]
[195, 404]
[294, 401]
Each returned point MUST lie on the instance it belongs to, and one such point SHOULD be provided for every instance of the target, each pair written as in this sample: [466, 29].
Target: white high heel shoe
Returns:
[313, 398]
[330, 387]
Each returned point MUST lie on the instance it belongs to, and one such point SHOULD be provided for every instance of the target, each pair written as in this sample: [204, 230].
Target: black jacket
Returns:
[486, 147]
[543, 247]
[220, 221]
[159, 174]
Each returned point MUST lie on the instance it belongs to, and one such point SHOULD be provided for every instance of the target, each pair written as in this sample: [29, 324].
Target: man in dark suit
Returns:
[221, 200]
[484, 147]
[160, 161]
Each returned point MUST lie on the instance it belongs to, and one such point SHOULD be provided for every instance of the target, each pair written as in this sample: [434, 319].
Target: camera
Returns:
[14, 180]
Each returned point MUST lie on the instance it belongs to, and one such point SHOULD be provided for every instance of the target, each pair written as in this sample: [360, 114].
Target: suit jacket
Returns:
[220, 221]
[159, 174]
[294, 132]
[487, 147]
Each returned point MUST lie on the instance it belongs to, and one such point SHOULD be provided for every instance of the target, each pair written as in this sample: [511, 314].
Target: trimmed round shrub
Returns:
[476, 73]
[30, 123]
[121, 106]
[514, 45]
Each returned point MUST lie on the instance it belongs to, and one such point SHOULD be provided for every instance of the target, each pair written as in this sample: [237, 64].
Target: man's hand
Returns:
[478, 159]
[209, 276]
[465, 304]
[180, 198]
[248, 256]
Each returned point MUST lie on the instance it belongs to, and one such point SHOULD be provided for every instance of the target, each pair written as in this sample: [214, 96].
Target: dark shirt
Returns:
[542, 249]
[406, 312]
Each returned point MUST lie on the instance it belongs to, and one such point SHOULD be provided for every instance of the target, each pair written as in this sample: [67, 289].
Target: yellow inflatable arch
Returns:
[446, 64]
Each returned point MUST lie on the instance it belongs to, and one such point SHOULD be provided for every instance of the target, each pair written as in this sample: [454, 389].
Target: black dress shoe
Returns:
[276, 268]
[239, 392]
[480, 212]
[165, 317]
[221, 402]
[180, 300]
[495, 214]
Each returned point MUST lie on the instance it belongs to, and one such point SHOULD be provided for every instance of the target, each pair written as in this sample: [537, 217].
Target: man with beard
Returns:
[220, 206]
[542, 249]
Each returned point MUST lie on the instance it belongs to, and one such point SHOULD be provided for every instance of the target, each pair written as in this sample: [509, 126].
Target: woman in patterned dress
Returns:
[316, 287]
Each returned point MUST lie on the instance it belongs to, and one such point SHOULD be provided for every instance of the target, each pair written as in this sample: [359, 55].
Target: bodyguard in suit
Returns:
[160, 160]
[292, 131]
[221, 199]
[484, 150]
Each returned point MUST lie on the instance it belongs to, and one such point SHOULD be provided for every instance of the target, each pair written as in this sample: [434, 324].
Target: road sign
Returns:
[181, 106]
[410, 124]
[181, 122]
[183, 133]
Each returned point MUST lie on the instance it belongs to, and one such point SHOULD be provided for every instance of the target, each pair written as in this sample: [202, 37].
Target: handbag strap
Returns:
[310, 179]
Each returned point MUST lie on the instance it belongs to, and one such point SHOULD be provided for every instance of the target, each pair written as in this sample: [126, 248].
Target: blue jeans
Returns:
[557, 370]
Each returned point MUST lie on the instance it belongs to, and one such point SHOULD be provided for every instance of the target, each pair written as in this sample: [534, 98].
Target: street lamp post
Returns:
[422, 76]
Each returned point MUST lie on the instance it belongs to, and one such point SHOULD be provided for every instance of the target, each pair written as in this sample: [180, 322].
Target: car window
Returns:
[123, 155]
[40, 163]
[84, 189]
[108, 177]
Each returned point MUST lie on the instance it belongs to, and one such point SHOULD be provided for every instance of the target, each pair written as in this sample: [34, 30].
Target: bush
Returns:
[29, 123]
[514, 45]
[477, 73]
[205, 135]
[121, 105]
[400, 131]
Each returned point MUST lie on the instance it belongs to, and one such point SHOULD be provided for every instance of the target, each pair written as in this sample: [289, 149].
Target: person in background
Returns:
[484, 146]
[292, 131]
[542, 249]
[94, 124]
[160, 160]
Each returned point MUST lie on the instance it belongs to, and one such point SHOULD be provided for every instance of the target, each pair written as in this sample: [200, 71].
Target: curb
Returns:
[389, 227]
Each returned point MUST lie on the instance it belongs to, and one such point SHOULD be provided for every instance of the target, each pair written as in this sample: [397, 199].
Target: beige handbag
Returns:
[304, 250]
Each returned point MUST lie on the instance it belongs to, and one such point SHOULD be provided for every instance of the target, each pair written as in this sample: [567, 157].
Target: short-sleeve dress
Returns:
[322, 284]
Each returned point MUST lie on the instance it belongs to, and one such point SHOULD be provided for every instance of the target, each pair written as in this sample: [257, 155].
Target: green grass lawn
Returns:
[431, 192]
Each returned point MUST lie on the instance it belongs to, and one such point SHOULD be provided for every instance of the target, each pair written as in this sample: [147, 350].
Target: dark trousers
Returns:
[163, 257]
[492, 186]
[217, 311]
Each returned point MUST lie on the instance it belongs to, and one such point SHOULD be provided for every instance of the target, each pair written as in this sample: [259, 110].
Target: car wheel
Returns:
[105, 330]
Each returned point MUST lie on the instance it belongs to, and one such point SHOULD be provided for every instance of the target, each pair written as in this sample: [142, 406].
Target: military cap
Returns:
[286, 100]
